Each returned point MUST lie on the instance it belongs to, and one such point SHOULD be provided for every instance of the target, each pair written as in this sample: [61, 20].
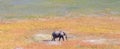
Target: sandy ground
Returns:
[83, 33]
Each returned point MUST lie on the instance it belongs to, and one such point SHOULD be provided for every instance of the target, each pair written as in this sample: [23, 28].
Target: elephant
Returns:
[59, 34]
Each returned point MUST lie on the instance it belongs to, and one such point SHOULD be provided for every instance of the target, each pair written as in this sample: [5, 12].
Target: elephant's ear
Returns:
[66, 36]
[61, 33]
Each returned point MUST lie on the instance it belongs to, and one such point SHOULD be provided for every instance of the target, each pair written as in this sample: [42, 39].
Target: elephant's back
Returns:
[56, 33]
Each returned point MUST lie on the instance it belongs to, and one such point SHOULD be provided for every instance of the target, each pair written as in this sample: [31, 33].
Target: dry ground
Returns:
[83, 32]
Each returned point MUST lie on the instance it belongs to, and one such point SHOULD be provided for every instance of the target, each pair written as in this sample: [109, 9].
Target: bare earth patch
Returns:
[103, 41]
[24, 34]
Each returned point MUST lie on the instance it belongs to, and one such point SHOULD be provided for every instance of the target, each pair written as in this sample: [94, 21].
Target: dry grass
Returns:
[17, 33]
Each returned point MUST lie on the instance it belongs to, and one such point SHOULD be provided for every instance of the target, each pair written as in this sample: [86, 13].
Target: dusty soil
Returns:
[83, 33]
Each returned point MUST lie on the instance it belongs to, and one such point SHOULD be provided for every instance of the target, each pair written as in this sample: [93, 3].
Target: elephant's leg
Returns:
[59, 38]
[62, 38]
